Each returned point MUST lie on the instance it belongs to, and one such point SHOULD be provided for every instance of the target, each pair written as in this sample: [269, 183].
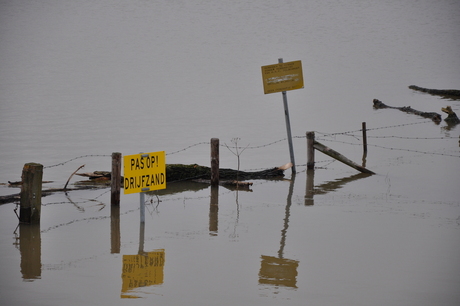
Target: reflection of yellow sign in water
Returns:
[282, 77]
[278, 271]
[141, 271]
[144, 172]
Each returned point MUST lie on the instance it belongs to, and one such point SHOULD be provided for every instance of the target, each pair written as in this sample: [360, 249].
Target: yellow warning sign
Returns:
[144, 172]
[282, 77]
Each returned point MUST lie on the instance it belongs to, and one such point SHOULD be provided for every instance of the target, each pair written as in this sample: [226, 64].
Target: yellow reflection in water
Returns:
[142, 270]
[278, 271]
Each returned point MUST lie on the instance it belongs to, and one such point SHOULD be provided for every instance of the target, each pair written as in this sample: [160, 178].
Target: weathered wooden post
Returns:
[364, 144]
[214, 161]
[115, 179]
[31, 193]
[310, 150]
[334, 154]
[364, 138]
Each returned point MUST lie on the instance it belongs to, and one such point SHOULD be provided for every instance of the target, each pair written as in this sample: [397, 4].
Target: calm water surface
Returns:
[80, 80]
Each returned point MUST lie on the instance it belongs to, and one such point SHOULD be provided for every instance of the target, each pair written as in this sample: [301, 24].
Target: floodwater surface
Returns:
[79, 81]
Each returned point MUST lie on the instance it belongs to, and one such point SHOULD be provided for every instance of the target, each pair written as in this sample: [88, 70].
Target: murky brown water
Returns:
[78, 82]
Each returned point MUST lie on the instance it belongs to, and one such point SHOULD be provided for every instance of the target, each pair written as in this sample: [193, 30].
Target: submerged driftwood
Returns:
[45, 192]
[180, 172]
[431, 115]
[445, 93]
[451, 116]
[174, 172]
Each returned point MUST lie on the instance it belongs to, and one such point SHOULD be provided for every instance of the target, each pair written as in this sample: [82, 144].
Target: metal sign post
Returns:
[288, 126]
[142, 206]
[282, 77]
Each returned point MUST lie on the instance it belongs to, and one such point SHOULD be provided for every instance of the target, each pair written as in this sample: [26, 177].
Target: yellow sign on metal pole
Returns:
[282, 77]
[144, 172]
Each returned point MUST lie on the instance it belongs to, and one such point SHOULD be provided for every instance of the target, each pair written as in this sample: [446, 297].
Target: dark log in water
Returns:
[431, 115]
[179, 172]
[174, 173]
[445, 93]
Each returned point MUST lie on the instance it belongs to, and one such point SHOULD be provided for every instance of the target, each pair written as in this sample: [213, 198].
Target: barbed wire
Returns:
[189, 147]
[352, 133]
[389, 148]
[373, 129]
[83, 156]
[402, 137]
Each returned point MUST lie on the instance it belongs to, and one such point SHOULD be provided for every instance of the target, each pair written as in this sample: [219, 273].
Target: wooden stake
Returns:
[115, 179]
[214, 161]
[31, 193]
[310, 150]
[364, 138]
[334, 154]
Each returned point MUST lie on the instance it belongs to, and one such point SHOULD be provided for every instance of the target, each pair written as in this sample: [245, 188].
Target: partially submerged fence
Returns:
[31, 188]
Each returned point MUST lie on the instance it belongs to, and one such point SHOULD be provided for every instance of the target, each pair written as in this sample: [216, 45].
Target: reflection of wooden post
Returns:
[310, 190]
[115, 229]
[214, 161]
[30, 248]
[115, 179]
[31, 193]
[310, 150]
[214, 211]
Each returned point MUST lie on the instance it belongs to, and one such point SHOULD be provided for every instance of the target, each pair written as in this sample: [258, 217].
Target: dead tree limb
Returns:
[407, 109]
[445, 93]
[65, 186]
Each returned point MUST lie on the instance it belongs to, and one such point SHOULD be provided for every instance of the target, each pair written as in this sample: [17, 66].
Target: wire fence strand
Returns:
[357, 134]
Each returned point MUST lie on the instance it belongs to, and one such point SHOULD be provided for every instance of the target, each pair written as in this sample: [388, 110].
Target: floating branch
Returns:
[431, 115]
[65, 186]
[180, 172]
[445, 93]
[451, 116]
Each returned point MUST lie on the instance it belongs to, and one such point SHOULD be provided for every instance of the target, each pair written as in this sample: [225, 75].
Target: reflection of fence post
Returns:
[116, 179]
[310, 189]
[214, 211]
[310, 150]
[115, 240]
[31, 193]
[30, 247]
[214, 161]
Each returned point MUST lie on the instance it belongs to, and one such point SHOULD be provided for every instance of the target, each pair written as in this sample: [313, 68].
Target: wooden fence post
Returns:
[364, 138]
[310, 150]
[31, 193]
[115, 179]
[214, 161]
